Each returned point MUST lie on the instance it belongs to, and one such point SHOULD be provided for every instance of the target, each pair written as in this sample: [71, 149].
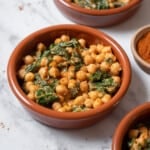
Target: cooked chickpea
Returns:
[106, 49]
[21, 73]
[81, 75]
[82, 42]
[63, 81]
[27, 85]
[84, 87]
[31, 96]
[92, 68]
[72, 83]
[28, 59]
[83, 68]
[106, 98]
[105, 66]
[88, 103]
[88, 60]
[61, 98]
[79, 100]
[43, 72]
[99, 58]
[54, 72]
[44, 62]
[116, 79]
[56, 106]
[110, 56]
[115, 68]
[99, 48]
[64, 74]
[65, 38]
[61, 90]
[97, 103]
[62, 109]
[69, 50]
[93, 94]
[93, 49]
[71, 74]
[41, 47]
[85, 53]
[29, 76]
[58, 59]
[71, 68]
[58, 40]
[53, 64]
[32, 88]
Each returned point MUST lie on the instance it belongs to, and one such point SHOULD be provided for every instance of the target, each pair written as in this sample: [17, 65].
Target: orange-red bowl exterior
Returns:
[66, 119]
[97, 18]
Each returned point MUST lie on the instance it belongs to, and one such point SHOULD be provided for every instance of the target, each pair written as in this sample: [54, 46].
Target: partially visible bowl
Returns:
[66, 119]
[136, 116]
[134, 42]
[97, 18]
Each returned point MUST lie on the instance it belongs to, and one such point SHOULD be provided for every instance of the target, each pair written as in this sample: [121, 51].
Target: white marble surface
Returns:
[18, 131]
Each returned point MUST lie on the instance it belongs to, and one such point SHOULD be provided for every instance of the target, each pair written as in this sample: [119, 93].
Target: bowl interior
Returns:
[47, 35]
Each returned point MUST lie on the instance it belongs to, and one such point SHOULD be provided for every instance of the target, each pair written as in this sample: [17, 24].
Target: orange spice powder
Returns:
[143, 47]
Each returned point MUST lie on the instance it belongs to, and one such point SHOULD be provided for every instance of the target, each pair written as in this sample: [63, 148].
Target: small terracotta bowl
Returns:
[138, 35]
[97, 18]
[66, 119]
[138, 115]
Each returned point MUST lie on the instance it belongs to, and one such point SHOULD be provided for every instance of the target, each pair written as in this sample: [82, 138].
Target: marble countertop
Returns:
[18, 131]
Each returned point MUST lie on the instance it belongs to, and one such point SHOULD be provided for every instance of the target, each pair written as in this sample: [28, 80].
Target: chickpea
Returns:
[31, 96]
[71, 75]
[97, 103]
[56, 106]
[28, 59]
[85, 53]
[63, 81]
[53, 64]
[81, 75]
[78, 100]
[115, 68]
[21, 73]
[58, 59]
[58, 40]
[93, 94]
[116, 79]
[44, 62]
[88, 60]
[85, 95]
[54, 72]
[105, 66]
[83, 68]
[93, 49]
[61, 98]
[64, 74]
[82, 42]
[61, 90]
[41, 47]
[27, 85]
[65, 38]
[43, 72]
[106, 98]
[88, 103]
[99, 58]
[72, 83]
[29, 76]
[110, 56]
[106, 49]
[69, 50]
[67, 108]
[99, 48]
[84, 87]
[71, 68]
[92, 68]
[32, 88]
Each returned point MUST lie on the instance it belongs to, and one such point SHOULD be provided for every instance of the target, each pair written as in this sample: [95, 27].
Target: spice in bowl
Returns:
[143, 47]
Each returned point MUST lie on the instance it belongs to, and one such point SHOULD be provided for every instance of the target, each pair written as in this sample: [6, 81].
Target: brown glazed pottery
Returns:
[138, 115]
[97, 18]
[137, 36]
[66, 119]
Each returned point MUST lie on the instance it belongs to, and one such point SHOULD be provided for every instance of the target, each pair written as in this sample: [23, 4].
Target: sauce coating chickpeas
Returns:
[69, 75]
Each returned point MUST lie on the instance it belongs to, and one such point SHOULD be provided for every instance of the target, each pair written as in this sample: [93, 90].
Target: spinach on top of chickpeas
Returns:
[68, 76]
[139, 137]
[100, 4]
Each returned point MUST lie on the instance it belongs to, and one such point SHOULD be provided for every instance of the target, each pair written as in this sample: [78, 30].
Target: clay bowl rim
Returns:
[14, 85]
[99, 12]
[126, 122]
[137, 35]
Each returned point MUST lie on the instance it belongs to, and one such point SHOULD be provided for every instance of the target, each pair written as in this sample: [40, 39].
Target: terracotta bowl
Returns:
[137, 36]
[97, 18]
[139, 114]
[66, 119]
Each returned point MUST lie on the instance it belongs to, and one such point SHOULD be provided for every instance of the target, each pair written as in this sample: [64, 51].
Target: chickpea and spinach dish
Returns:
[100, 4]
[139, 137]
[69, 76]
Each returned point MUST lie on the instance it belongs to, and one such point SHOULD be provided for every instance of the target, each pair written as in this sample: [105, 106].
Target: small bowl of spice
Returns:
[140, 46]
